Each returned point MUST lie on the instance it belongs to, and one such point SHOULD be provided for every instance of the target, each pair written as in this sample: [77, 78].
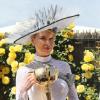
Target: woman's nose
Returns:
[47, 42]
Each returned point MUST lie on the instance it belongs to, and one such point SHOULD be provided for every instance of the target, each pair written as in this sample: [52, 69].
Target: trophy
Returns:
[45, 76]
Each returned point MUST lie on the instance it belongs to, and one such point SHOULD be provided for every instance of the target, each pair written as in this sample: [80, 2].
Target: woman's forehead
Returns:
[46, 33]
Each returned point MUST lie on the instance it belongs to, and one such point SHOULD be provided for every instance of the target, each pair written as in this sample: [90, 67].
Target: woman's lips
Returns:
[47, 48]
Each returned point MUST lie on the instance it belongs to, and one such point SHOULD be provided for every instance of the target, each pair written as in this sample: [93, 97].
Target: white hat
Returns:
[52, 18]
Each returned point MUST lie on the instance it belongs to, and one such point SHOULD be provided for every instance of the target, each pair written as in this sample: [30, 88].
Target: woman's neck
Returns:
[42, 58]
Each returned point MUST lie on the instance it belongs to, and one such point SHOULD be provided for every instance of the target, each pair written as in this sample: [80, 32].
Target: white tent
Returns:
[85, 29]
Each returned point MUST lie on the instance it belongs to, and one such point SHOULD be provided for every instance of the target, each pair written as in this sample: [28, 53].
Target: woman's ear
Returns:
[32, 39]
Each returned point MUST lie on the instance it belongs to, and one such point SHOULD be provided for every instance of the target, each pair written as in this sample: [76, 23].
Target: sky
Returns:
[12, 11]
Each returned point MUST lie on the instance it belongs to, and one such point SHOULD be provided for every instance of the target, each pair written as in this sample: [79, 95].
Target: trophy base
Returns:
[48, 94]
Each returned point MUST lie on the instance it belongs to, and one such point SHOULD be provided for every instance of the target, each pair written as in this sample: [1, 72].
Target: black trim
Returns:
[46, 26]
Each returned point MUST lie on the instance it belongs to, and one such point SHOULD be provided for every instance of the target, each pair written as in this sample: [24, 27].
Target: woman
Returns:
[27, 85]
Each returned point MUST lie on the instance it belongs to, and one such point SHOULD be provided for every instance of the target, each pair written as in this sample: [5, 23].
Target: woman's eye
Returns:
[42, 38]
[51, 39]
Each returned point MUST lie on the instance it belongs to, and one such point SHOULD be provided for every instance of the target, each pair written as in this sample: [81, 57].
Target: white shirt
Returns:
[59, 89]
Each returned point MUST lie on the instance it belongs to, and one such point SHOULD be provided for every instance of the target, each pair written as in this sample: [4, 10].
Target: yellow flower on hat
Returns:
[85, 67]
[88, 56]
[5, 80]
[5, 70]
[80, 88]
[87, 74]
[18, 48]
[77, 77]
[12, 55]
[9, 61]
[2, 51]
[70, 48]
[13, 90]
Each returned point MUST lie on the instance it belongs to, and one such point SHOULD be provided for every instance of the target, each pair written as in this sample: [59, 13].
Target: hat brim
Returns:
[60, 24]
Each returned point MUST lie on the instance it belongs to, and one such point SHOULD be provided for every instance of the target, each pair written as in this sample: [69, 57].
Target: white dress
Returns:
[59, 89]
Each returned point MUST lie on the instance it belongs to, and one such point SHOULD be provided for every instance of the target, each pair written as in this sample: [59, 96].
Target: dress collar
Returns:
[42, 59]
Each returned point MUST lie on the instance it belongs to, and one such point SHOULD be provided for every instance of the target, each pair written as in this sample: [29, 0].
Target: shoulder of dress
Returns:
[60, 62]
[63, 66]
[23, 69]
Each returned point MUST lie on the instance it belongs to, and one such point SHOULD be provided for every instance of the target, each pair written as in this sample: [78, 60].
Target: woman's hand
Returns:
[28, 81]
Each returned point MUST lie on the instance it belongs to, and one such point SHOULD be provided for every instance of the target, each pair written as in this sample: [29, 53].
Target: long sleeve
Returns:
[64, 68]
[72, 94]
[19, 77]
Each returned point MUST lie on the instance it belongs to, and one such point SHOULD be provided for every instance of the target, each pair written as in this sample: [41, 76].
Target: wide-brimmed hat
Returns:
[52, 18]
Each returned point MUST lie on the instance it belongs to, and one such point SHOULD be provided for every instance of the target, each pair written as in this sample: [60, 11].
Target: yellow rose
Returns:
[70, 48]
[77, 77]
[70, 33]
[5, 70]
[2, 35]
[12, 49]
[5, 80]
[28, 58]
[87, 75]
[12, 55]
[91, 67]
[18, 48]
[27, 61]
[80, 88]
[85, 67]
[13, 90]
[14, 69]
[32, 57]
[3, 41]
[88, 56]
[14, 64]
[1, 74]
[64, 34]
[9, 61]
[71, 26]
[27, 54]
[2, 51]
[70, 57]
[88, 97]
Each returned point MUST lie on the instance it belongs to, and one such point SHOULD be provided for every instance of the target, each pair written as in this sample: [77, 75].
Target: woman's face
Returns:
[43, 42]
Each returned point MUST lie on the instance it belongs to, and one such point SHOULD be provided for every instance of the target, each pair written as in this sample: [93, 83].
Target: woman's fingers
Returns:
[28, 81]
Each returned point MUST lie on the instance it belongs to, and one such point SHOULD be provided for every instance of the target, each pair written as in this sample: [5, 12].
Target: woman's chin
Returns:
[45, 54]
